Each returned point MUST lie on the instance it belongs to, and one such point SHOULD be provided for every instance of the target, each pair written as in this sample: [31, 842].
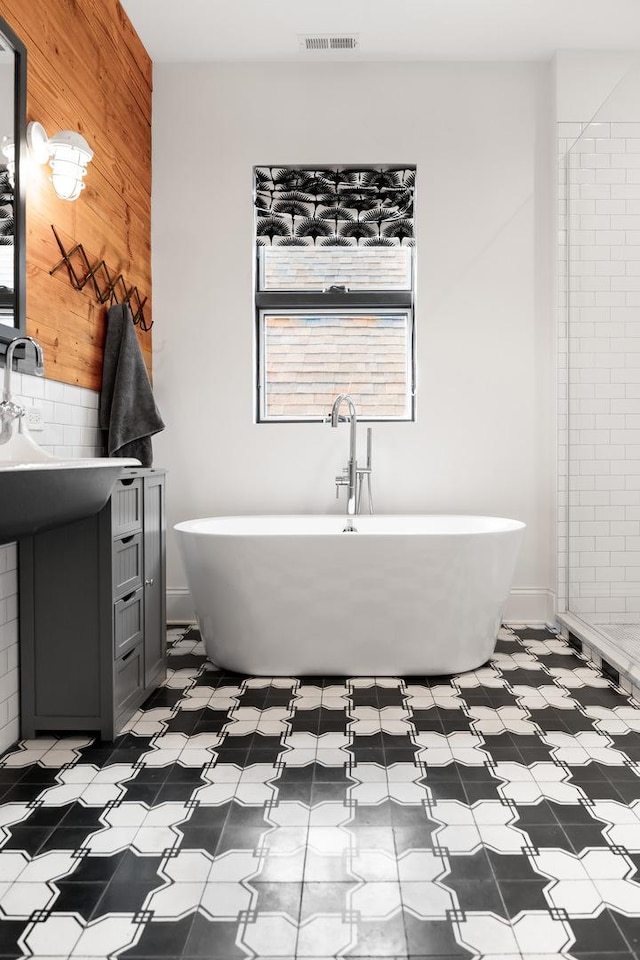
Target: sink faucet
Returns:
[9, 409]
[352, 474]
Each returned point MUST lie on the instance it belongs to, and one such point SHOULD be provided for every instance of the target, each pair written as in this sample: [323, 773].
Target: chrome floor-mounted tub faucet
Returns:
[352, 475]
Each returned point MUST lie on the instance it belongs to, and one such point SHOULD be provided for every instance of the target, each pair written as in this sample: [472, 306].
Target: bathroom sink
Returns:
[39, 491]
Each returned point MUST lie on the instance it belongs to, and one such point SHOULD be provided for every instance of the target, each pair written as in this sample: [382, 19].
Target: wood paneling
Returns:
[87, 71]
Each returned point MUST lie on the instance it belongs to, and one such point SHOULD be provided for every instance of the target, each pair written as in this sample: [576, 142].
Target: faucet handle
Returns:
[10, 410]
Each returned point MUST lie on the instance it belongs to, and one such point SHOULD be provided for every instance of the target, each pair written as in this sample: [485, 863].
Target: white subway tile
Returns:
[592, 498]
[610, 268]
[611, 483]
[622, 129]
[590, 588]
[594, 529]
[72, 393]
[625, 161]
[54, 391]
[611, 543]
[582, 146]
[8, 584]
[610, 145]
[12, 607]
[572, 130]
[593, 161]
[628, 282]
[609, 421]
[9, 685]
[583, 605]
[625, 587]
[610, 574]
[610, 207]
[625, 191]
[582, 544]
[597, 129]
[628, 559]
[32, 386]
[595, 376]
[610, 513]
[628, 499]
[72, 435]
[582, 483]
[611, 299]
[612, 175]
[62, 413]
[599, 284]
[593, 191]
[610, 391]
[626, 221]
[13, 707]
[610, 604]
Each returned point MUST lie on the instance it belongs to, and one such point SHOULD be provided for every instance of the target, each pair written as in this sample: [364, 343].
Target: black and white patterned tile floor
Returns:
[493, 815]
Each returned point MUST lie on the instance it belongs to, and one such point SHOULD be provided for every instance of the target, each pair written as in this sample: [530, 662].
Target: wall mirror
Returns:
[13, 91]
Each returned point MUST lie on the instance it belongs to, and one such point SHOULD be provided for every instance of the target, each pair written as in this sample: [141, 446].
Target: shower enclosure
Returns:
[599, 406]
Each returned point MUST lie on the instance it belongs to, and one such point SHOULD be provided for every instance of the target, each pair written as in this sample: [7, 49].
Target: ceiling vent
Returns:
[328, 41]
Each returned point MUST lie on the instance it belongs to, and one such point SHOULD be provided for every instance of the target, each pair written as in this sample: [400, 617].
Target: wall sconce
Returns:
[8, 151]
[68, 154]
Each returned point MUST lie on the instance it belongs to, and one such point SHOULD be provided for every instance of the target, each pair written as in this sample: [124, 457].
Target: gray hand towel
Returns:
[128, 412]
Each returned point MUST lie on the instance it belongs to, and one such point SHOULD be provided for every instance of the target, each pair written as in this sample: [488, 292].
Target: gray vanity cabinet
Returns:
[93, 613]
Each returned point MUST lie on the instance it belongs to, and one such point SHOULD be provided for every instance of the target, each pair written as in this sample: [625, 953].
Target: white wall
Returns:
[483, 442]
[587, 80]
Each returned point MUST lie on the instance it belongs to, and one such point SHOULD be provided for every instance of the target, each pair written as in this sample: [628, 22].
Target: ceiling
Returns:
[223, 30]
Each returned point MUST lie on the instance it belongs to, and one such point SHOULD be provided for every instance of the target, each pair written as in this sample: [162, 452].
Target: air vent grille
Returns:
[328, 41]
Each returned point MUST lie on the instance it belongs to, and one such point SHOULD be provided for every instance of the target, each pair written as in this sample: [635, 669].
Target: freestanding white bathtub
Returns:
[287, 595]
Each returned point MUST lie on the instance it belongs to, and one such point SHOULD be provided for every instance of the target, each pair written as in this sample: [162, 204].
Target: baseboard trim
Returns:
[179, 606]
[530, 605]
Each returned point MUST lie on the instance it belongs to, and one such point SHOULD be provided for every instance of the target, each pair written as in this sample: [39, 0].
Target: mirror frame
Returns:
[8, 333]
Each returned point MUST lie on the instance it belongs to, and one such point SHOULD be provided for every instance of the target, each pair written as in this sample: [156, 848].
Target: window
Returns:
[334, 291]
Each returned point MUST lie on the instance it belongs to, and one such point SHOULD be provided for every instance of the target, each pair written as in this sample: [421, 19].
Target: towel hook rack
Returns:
[106, 287]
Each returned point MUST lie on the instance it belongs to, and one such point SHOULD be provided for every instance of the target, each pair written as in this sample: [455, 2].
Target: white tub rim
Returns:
[249, 525]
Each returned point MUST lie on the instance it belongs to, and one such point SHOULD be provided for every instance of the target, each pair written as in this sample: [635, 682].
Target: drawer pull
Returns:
[129, 596]
[127, 655]
[149, 582]
[127, 482]
[128, 539]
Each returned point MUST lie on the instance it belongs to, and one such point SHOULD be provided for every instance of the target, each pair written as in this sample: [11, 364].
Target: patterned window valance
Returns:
[334, 206]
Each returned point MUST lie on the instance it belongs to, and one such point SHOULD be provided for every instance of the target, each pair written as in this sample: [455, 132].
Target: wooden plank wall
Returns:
[87, 71]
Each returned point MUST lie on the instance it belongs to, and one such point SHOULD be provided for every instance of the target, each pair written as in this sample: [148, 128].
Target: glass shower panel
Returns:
[603, 370]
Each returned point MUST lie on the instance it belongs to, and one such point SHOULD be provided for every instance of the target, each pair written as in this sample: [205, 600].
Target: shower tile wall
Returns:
[70, 417]
[599, 453]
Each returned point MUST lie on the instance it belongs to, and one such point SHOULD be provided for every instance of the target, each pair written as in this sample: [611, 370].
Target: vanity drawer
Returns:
[128, 681]
[126, 506]
[126, 564]
[128, 615]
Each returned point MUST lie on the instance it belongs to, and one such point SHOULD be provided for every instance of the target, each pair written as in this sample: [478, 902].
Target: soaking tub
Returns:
[287, 595]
